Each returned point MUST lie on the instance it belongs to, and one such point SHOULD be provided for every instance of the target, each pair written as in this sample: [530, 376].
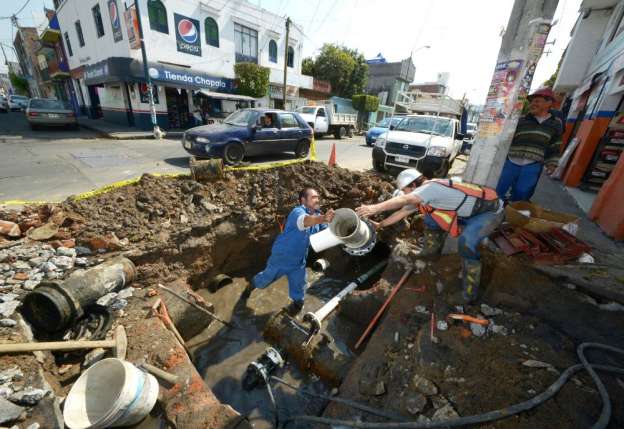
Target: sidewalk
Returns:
[118, 132]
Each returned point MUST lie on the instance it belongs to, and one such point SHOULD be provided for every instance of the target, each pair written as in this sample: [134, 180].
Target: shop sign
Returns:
[277, 91]
[321, 86]
[192, 79]
[132, 27]
[113, 12]
[96, 71]
[188, 36]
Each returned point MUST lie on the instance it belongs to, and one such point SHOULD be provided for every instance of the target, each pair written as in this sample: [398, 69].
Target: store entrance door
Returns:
[178, 108]
[96, 107]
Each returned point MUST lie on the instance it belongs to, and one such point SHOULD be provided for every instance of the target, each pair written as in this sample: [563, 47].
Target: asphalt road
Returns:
[52, 164]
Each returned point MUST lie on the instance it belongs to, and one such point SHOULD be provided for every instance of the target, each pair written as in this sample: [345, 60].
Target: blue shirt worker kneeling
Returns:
[290, 249]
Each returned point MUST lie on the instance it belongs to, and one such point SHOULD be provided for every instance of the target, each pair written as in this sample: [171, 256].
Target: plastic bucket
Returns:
[111, 393]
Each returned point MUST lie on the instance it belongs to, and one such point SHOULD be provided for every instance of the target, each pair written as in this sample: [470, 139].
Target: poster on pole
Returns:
[115, 19]
[498, 105]
[132, 26]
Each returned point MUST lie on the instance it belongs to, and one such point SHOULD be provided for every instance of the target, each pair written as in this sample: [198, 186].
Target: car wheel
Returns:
[379, 166]
[233, 153]
[443, 170]
[303, 149]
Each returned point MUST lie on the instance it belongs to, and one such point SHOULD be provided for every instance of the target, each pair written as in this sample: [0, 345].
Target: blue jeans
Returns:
[474, 230]
[522, 179]
[297, 279]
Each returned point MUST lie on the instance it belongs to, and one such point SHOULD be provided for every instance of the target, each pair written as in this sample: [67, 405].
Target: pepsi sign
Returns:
[113, 12]
[188, 36]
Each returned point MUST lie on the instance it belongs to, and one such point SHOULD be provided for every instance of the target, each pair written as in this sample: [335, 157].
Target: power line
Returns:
[18, 12]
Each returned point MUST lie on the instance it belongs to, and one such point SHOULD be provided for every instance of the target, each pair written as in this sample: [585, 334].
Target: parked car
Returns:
[18, 102]
[50, 112]
[380, 128]
[250, 132]
[429, 143]
[471, 133]
[4, 104]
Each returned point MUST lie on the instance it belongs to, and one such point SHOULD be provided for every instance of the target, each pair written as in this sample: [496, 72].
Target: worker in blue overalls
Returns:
[290, 249]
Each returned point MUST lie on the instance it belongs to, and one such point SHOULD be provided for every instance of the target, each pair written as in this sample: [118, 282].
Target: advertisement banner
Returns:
[191, 79]
[498, 103]
[113, 12]
[132, 26]
[188, 37]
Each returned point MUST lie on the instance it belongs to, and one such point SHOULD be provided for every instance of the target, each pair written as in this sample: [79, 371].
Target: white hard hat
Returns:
[406, 177]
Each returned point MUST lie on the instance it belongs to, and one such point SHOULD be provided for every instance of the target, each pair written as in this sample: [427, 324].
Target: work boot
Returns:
[471, 278]
[248, 290]
[433, 240]
[294, 308]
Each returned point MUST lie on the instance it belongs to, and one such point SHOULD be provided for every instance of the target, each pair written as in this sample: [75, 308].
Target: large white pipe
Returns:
[346, 228]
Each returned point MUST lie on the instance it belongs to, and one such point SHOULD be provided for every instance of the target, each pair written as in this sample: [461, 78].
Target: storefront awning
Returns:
[224, 96]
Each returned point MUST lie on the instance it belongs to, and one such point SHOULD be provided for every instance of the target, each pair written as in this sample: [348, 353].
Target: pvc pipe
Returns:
[346, 228]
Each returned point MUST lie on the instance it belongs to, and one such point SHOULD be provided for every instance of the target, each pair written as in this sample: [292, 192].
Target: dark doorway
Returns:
[177, 108]
[95, 111]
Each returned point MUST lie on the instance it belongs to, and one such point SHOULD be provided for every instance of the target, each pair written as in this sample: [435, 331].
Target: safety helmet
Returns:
[406, 177]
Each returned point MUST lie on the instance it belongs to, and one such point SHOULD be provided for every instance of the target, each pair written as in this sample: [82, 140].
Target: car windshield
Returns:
[240, 118]
[48, 104]
[427, 125]
[389, 121]
[306, 110]
[471, 128]
[19, 97]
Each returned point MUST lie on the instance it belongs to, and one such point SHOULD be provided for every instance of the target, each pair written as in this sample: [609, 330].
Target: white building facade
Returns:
[192, 47]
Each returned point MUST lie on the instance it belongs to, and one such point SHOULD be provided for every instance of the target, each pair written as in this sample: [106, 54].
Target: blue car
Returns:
[380, 128]
[250, 132]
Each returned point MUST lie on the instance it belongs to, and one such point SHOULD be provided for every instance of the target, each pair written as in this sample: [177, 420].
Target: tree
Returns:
[252, 79]
[344, 68]
[364, 104]
[19, 83]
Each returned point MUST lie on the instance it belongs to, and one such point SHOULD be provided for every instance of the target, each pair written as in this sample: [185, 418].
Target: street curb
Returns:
[114, 136]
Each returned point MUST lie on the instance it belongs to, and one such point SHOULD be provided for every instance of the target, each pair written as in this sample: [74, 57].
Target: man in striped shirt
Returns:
[535, 145]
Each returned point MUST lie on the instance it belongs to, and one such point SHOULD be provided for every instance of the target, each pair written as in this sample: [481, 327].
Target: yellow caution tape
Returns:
[123, 183]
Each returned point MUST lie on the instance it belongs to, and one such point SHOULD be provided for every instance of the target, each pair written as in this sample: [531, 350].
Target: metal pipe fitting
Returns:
[357, 236]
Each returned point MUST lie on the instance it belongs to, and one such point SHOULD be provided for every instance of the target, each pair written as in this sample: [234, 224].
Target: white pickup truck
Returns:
[323, 119]
[426, 142]
[428, 138]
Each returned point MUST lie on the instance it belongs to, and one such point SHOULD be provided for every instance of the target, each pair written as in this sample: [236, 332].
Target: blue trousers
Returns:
[474, 230]
[297, 278]
[522, 179]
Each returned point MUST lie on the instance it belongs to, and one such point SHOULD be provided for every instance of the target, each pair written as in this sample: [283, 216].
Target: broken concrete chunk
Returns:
[6, 297]
[9, 411]
[490, 311]
[44, 232]
[107, 299]
[64, 251]
[28, 396]
[93, 356]
[8, 308]
[536, 364]
[11, 374]
[439, 401]
[424, 386]
[7, 323]
[63, 262]
[82, 251]
[372, 388]
[478, 330]
[47, 267]
[30, 284]
[34, 426]
[5, 392]
[416, 404]
[81, 262]
[20, 266]
[10, 229]
[447, 412]
[125, 293]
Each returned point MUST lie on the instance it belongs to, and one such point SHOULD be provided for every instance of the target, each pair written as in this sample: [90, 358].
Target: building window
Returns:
[97, 17]
[81, 41]
[212, 32]
[291, 57]
[246, 40]
[157, 13]
[68, 44]
[273, 51]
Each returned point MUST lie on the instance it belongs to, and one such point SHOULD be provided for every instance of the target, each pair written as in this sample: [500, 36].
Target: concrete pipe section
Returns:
[53, 306]
[357, 236]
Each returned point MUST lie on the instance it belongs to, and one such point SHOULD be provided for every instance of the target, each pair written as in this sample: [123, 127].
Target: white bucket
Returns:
[111, 393]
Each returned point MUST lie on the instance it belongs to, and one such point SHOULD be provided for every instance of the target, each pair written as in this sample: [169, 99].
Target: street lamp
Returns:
[419, 48]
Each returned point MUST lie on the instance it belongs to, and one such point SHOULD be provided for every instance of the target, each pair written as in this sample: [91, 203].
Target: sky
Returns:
[464, 35]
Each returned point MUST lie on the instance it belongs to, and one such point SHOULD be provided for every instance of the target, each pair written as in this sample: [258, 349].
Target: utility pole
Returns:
[521, 48]
[148, 79]
[286, 59]
[6, 61]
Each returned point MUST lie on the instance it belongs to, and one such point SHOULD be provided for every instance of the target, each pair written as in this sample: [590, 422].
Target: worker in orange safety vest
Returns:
[463, 210]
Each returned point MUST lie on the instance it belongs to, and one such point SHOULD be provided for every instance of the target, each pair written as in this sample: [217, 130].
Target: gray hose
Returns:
[537, 400]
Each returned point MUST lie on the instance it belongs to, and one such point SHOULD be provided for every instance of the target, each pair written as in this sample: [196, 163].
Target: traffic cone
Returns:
[332, 157]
